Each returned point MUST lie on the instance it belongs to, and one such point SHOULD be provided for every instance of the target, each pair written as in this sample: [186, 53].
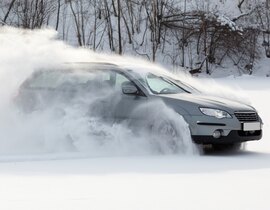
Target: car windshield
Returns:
[161, 85]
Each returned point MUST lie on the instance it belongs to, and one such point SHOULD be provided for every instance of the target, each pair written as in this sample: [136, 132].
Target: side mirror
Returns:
[129, 88]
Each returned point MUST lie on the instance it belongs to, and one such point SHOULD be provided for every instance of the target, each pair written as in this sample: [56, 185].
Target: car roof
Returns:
[90, 64]
[99, 65]
[83, 66]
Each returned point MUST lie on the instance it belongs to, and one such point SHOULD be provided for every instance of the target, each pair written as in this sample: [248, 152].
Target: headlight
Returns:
[215, 113]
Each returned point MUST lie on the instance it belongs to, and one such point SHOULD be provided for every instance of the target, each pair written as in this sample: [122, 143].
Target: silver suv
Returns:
[212, 120]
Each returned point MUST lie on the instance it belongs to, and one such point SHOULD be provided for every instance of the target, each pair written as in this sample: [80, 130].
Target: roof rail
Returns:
[92, 63]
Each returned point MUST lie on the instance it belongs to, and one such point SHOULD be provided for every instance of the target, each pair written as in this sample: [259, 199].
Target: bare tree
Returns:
[32, 13]
[9, 10]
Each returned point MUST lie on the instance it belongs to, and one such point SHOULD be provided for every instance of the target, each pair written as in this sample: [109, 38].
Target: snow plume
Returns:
[73, 129]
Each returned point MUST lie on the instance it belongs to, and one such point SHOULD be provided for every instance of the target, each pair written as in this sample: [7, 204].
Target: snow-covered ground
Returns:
[147, 182]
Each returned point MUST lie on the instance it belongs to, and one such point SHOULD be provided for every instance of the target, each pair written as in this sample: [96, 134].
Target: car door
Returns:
[126, 105]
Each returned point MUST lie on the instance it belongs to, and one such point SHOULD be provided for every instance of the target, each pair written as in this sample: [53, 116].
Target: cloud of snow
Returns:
[68, 129]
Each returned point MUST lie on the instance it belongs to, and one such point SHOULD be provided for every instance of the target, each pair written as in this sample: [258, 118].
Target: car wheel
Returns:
[166, 130]
[166, 137]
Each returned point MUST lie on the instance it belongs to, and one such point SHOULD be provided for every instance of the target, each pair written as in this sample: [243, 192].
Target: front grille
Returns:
[246, 116]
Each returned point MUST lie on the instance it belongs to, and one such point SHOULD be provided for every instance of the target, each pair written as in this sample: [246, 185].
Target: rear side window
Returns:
[76, 80]
[58, 79]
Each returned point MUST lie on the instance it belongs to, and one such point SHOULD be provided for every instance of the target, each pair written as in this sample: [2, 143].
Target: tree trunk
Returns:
[119, 27]
[9, 9]
[58, 14]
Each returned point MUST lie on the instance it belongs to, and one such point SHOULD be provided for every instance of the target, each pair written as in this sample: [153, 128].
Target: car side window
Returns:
[119, 80]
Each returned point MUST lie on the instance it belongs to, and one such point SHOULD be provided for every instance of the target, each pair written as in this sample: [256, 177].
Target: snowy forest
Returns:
[200, 36]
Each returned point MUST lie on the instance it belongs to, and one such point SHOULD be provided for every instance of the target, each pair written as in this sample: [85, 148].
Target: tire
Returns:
[166, 137]
[167, 131]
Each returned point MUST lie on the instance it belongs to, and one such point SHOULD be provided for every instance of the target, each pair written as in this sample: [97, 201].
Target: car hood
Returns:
[191, 102]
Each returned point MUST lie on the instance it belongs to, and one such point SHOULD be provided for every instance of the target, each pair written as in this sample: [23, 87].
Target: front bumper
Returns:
[233, 137]
[203, 127]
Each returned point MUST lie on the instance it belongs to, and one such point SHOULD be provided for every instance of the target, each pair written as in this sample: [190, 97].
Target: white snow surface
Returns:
[151, 182]
[38, 174]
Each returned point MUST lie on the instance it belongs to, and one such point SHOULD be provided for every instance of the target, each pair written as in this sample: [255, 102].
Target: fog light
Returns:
[217, 134]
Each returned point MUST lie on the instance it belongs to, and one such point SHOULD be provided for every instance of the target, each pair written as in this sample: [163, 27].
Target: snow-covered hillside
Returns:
[228, 36]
